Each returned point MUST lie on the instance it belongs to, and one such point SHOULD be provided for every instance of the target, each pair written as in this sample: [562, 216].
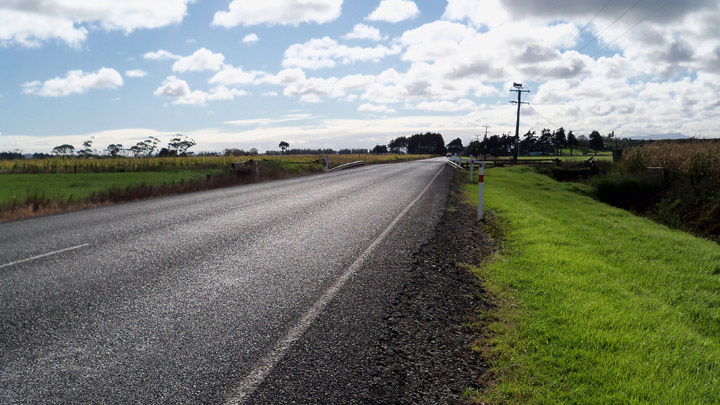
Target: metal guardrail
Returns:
[347, 166]
[464, 162]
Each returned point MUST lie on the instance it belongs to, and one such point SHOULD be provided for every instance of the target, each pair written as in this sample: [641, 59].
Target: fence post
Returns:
[257, 171]
[481, 190]
[472, 167]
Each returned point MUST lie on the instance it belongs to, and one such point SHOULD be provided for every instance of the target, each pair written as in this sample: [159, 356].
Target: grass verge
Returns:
[82, 185]
[595, 305]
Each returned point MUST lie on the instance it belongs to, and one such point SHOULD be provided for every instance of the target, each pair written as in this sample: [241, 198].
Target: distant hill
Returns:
[657, 137]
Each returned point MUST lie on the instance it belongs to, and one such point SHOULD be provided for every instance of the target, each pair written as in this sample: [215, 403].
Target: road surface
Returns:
[267, 293]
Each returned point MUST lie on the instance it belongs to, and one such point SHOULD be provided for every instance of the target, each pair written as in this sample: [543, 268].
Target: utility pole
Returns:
[518, 88]
[485, 142]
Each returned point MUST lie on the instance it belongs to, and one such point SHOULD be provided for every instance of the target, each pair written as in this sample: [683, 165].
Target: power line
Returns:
[564, 47]
[593, 39]
[659, 6]
[544, 117]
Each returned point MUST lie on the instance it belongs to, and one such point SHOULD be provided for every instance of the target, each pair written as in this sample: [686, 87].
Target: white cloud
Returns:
[362, 31]
[435, 40]
[29, 30]
[313, 89]
[283, 12]
[394, 11]
[223, 93]
[30, 23]
[161, 55]
[486, 13]
[381, 108]
[173, 87]
[179, 91]
[201, 60]
[135, 73]
[446, 106]
[75, 81]
[231, 76]
[325, 52]
[270, 94]
[250, 38]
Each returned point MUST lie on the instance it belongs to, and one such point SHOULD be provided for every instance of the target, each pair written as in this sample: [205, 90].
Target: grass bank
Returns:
[595, 305]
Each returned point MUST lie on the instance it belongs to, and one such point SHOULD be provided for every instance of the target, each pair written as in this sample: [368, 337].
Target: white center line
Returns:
[261, 370]
[43, 255]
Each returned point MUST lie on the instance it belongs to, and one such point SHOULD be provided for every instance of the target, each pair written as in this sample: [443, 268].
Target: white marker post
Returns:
[481, 191]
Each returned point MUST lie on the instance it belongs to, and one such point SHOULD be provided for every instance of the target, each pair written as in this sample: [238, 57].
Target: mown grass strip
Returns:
[596, 305]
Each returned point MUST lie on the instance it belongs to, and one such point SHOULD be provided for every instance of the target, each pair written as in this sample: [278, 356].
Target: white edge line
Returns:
[262, 369]
[43, 255]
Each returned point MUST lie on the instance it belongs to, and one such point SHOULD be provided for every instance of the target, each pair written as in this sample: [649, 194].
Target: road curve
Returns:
[265, 293]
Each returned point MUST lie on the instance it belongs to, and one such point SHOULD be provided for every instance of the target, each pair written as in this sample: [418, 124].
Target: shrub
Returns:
[632, 192]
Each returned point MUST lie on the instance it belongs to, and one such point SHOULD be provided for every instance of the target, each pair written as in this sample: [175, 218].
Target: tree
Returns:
[64, 150]
[180, 146]
[398, 145]
[430, 143]
[545, 140]
[378, 149]
[455, 146]
[474, 148]
[529, 142]
[138, 149]
[572, 141]
[150, 145]
[559, 140]
[114, 149]
[283, 146]
[87, 151]
[596, 141]
[165, 152]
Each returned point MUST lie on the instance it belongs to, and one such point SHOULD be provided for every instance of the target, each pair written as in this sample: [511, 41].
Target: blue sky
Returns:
[334, 73]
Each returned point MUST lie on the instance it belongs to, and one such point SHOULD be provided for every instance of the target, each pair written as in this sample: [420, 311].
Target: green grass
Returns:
[596, 305]
[82, 185]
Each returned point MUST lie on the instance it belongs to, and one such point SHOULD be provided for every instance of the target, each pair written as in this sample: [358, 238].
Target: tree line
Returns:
[548, 142]
[177, 146]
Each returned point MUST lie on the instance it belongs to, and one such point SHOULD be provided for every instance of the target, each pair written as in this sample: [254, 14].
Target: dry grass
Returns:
[697, 159]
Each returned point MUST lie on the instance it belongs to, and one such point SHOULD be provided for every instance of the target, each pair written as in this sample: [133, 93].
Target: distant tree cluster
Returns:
[240, 152]
[178, 146]
[11, 156]
[427, 143]
[303, 152]
[548, 142]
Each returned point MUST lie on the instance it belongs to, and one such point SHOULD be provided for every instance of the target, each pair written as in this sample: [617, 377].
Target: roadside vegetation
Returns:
[593, 303]
[30, 187]
[676, 183]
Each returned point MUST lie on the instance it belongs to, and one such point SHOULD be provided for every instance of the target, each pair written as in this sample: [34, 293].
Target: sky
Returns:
[351, 73]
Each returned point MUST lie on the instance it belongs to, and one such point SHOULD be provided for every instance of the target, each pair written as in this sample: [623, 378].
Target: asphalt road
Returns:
[268, 293]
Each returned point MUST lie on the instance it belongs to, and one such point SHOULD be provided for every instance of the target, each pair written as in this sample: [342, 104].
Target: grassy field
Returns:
[595, 305]
[83, 165]
[38, 187]
[80, 186]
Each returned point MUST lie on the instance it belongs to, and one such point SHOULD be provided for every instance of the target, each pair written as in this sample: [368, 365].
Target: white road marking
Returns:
[43, 255]
[262, 369]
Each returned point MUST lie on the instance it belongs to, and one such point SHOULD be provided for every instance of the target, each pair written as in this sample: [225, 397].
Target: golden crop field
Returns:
[699, 158]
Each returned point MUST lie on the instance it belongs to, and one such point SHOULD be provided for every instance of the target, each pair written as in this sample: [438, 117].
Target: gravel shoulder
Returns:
[426, 352]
